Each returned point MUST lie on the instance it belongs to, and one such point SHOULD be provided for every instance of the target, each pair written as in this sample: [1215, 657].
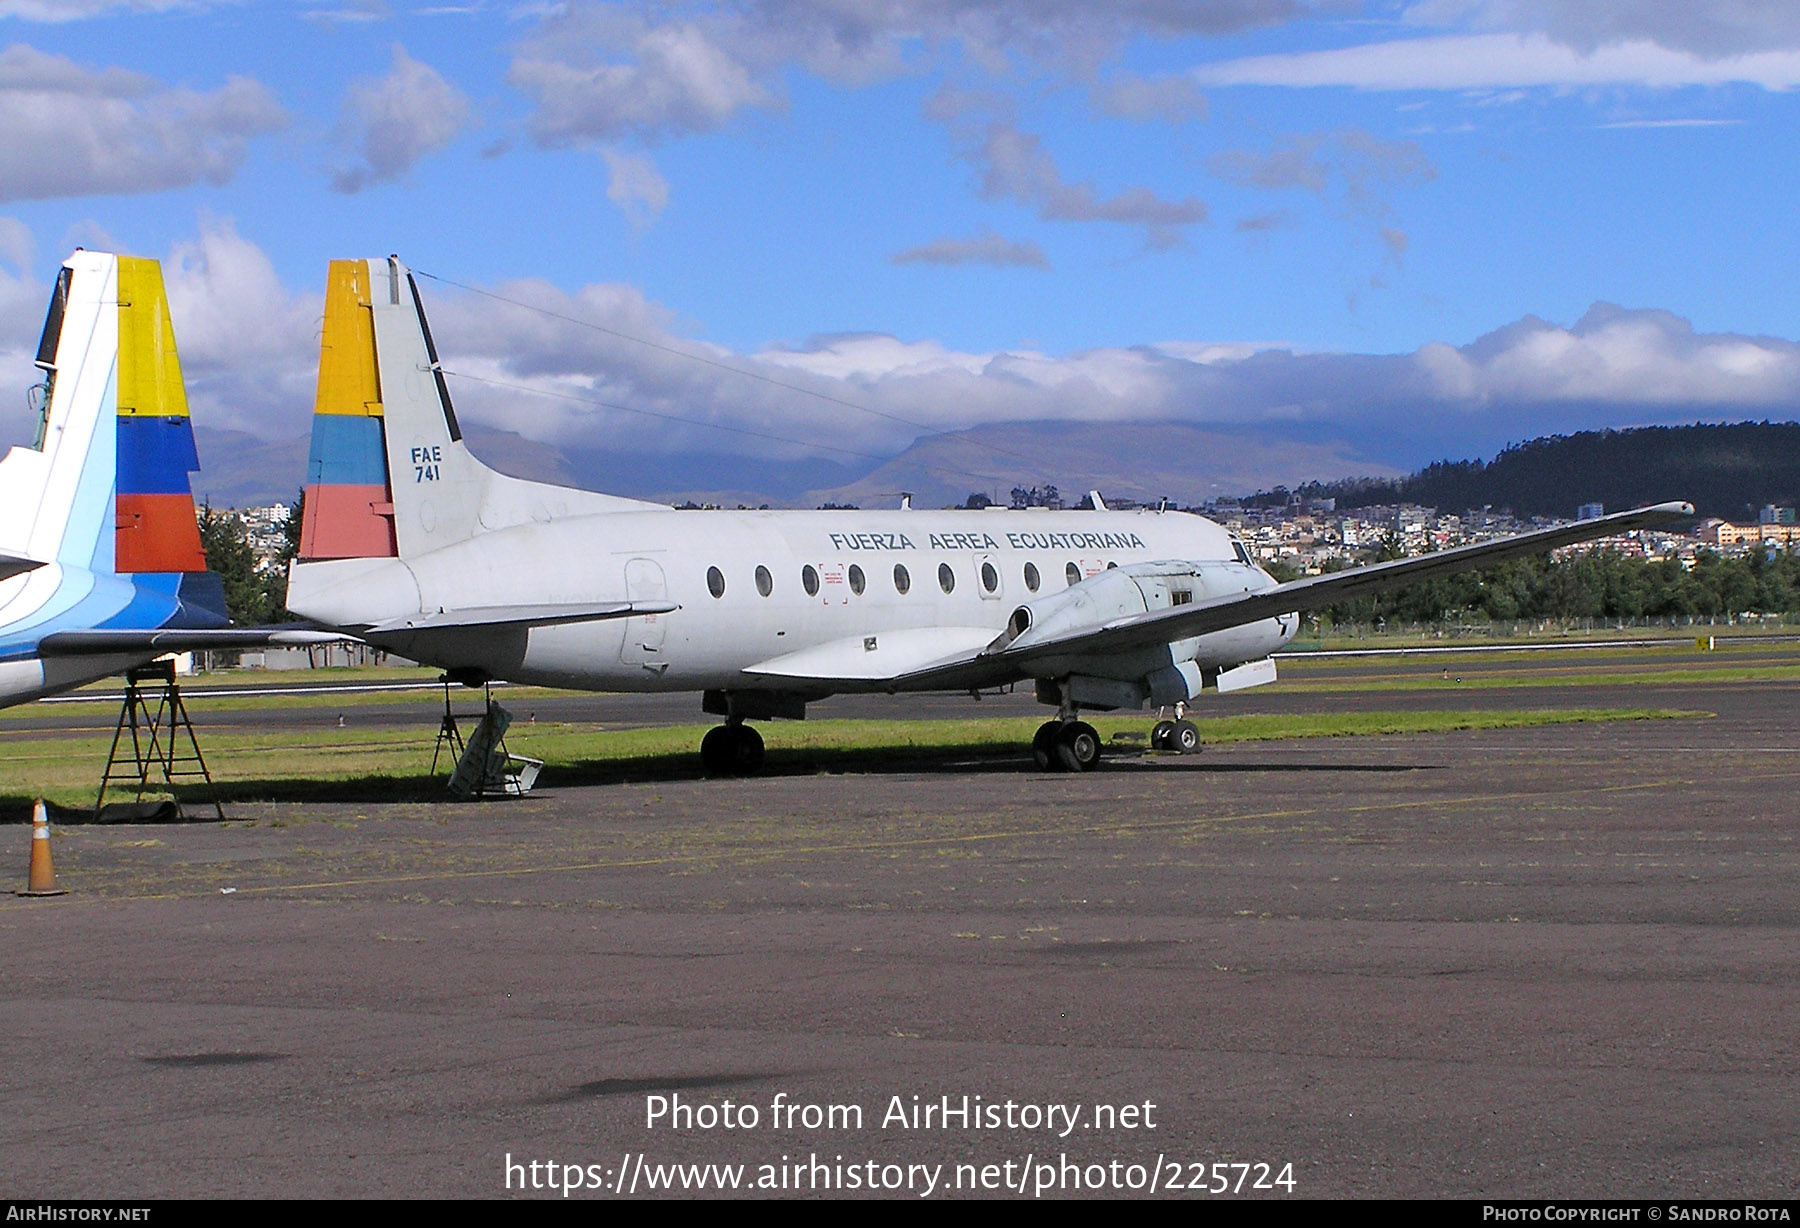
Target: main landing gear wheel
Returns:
[1160, 737]
[1185, 737]
[1066, 746]
[731, 750]
[1078, 747]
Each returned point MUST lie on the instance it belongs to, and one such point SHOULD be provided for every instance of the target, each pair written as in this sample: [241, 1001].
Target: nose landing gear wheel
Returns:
[1078, 746]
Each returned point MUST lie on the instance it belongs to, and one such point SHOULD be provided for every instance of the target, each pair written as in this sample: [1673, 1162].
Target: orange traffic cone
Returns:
[42, 879]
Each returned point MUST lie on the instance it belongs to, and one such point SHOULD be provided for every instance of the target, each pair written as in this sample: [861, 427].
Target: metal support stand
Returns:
[482, 764]
[449, 736]
[157, 730]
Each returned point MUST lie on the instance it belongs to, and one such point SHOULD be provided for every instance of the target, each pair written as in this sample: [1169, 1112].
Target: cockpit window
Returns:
[1243, 555]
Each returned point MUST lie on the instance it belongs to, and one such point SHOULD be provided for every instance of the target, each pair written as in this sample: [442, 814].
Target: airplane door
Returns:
[644, 581]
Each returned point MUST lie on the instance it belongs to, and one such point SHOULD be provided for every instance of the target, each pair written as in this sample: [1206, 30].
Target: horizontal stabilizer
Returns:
[12, 565]
[519, 616]
[877, 658]
[91, 643]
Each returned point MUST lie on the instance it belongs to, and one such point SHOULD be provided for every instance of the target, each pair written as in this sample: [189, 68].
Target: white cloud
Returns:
[1501, 61]
[67, 130]
[1168, 97]
[1014, 165]
[22, 296]
[1645, 358]
[397, 119]
[984, 248]
[1707, 27]
[1613, 368]
[17, 247]
[359, 13]
[1672, 123]
[249, 345]
[77, 10]
[1352, 168]
[250, 349]
[599, 71]
[676, 80]
[22, 299]
[1262, 223]
[636, 186]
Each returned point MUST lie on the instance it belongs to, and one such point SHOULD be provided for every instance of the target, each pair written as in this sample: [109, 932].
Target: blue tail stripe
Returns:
[347, 450]
[90, 534]
[155, 455]
[151, 604]
[80, 601]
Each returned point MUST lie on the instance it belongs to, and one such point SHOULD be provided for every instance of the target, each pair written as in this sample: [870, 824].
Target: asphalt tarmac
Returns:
[1552, 962]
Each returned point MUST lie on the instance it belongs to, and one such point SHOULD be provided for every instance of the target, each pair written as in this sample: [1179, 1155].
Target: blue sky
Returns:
[1388, 222]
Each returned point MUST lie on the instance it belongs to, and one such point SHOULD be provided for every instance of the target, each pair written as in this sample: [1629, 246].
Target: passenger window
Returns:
[715, 581]
[902, 581]
[809, 580]
[1031, 577]
[857, 582]
[946, 578]
[990, 579]
[1073, 574]
[765, 583]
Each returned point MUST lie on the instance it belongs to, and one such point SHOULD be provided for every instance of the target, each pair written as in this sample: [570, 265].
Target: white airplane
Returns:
[412, 544]
[101, 567]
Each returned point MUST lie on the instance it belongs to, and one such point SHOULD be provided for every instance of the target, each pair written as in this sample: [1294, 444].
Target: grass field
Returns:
[380, 757]
[395, 764]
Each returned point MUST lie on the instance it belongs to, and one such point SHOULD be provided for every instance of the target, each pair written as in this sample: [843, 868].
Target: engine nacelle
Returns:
[1163, 674]
[1121, 592]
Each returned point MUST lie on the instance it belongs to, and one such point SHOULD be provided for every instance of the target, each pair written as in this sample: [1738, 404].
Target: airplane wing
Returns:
[102, 643]
[13, 565]
[879, 658]
[519, 616]
[1181, 622]
[1008, 658]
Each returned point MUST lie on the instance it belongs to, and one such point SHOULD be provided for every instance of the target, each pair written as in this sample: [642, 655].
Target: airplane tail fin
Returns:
[104, 489]
[388, 474]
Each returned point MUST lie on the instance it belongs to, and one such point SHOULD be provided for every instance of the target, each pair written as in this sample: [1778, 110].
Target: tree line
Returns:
[252, 597]
[1600, 584]
[1729, 471]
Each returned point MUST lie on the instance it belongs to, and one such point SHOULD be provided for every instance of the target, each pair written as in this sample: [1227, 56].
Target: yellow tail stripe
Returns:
[347, 380]
[149, 370]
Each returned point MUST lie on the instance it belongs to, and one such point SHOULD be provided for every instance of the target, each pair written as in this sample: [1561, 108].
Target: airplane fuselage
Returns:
[820, 588]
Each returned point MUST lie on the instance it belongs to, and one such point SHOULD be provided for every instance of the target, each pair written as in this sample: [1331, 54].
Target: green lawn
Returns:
[395, 764]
